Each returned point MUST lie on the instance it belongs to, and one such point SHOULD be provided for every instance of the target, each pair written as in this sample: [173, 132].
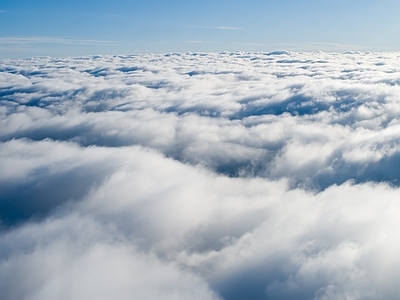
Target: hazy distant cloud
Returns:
[200, 175]
[306, 46]
[330, 46]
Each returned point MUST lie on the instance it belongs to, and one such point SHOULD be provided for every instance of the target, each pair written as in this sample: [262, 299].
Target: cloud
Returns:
[219, 27]
[227, 116]
[199, 42]
[305, 46]
[51, 40]
[83, 260]
[337, 46]
[227, 28]
[200, 175]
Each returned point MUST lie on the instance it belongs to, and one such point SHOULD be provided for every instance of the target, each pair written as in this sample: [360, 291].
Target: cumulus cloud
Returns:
[200, 175]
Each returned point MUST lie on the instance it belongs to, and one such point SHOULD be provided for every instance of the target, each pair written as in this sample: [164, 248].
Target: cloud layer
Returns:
[201, 176]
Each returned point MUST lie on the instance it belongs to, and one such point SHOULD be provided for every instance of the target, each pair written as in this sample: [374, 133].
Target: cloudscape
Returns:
[60, 28]
[231, 175]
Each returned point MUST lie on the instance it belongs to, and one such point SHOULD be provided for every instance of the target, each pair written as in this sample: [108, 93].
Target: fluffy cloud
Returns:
[200, 175]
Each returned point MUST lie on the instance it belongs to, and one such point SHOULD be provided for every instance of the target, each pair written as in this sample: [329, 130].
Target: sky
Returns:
[70, 28]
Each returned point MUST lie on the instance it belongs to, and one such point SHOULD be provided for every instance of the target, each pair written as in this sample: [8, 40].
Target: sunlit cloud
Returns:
[232, 175]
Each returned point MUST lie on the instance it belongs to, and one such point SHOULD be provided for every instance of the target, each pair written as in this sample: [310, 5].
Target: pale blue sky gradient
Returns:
[68, 28]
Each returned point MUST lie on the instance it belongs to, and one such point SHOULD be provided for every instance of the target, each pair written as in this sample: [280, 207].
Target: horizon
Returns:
[79, 28]
[272, 52]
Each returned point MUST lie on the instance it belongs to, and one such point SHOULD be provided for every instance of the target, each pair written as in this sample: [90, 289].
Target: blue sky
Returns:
[64, 28]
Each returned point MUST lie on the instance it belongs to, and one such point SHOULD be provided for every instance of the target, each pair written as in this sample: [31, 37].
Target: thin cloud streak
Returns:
[199, 42]
[53, 40]
[218, 27]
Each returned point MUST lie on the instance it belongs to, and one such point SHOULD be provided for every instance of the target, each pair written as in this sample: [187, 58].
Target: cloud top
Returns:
[200, 175]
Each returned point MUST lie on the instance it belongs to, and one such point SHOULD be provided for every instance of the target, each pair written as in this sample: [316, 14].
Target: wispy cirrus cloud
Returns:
[52, 40]
[219, 27]
[44, 45]
[199, 42]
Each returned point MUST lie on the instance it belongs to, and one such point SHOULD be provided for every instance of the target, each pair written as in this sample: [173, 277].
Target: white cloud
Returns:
[200, 175]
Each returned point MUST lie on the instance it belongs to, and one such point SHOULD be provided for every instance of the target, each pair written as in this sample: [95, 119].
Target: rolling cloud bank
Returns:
[200, 176]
